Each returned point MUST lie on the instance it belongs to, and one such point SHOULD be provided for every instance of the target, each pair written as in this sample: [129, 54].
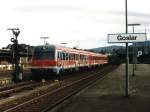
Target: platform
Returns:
[108, 94]
[6, 76]
[5, 81]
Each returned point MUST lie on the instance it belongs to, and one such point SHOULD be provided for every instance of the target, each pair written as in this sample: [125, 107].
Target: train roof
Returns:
[45, 47]
[63, 48]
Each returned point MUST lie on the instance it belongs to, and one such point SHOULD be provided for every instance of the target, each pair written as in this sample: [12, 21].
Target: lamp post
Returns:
[133, 51]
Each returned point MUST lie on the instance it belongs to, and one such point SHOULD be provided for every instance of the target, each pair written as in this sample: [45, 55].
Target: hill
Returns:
[107, 49]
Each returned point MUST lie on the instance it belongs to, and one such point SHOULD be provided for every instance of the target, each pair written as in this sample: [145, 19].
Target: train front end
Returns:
[44, 61]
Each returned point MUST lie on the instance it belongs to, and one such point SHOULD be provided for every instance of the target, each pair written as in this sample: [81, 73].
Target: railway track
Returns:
[8, 73]
[48, 98]
[6, 78]
[18, 88]
[13, 85]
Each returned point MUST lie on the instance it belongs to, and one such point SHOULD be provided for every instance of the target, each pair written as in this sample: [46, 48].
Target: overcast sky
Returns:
[83, 23]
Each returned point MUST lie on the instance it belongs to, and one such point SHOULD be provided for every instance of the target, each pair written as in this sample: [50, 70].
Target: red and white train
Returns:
[56, 59]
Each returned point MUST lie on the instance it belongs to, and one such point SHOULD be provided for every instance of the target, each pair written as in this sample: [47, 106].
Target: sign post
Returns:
[127, 55]
[126, 38]
[134, 57]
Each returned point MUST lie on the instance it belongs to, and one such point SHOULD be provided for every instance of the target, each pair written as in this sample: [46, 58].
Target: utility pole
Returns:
[146, 45]
[14, 40]
[133, 51]
[127, 53]
[27, 47]
[64, 43]
[44, 38]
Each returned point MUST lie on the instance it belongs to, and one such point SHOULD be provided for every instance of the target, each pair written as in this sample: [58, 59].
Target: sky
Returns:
[82, 23]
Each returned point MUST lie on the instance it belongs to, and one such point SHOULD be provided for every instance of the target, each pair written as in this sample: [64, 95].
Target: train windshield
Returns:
[39, 55]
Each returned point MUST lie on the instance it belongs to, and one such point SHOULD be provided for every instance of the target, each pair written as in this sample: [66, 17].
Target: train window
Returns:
[60, 54]
[57, 55]
[64, 57]
[78, 56]
[82, 57]
[71, 56]
[67, 56]
[86, 58]
[44, 55]
[74, 57]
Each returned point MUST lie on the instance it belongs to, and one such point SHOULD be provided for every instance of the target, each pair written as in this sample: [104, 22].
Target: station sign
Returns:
[126, 37]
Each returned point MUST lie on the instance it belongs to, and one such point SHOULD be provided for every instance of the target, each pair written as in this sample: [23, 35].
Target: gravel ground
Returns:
[108, 95]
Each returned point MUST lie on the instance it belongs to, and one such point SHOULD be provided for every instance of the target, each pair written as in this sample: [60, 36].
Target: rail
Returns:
[50, 99]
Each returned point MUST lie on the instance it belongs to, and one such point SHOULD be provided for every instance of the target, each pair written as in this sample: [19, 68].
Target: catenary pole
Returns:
[133, 47]
[127, 54]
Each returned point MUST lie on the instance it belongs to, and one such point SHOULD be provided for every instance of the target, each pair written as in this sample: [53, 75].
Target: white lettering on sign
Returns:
[139, 53]
[123, 37]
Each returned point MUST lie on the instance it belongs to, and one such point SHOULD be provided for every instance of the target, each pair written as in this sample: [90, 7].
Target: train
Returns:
[47, 59]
